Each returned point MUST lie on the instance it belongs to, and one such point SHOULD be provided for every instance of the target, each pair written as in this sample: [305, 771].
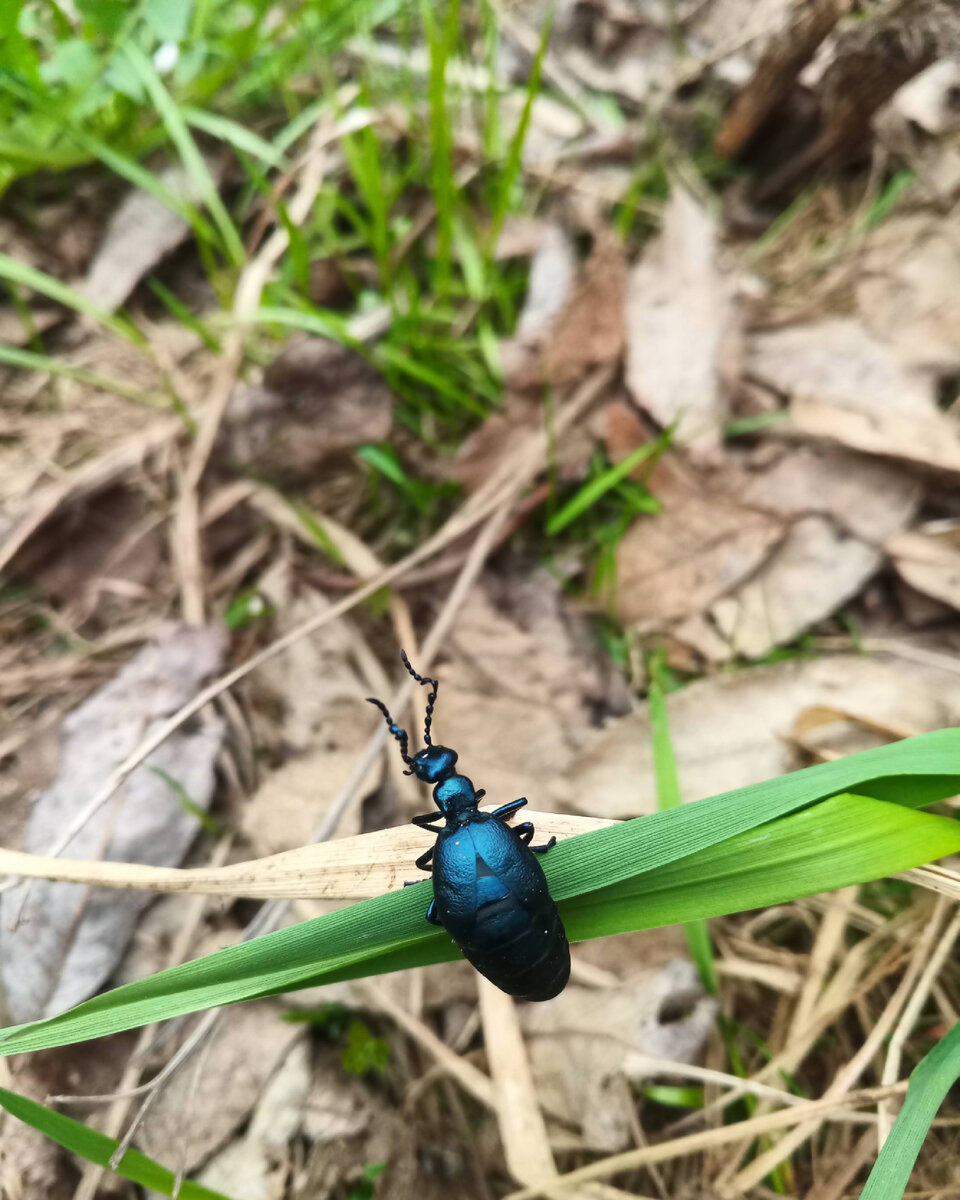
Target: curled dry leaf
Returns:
[846, 386]
[683, 335]
[317, 399]
[141, 232]
[930, 562]
[732, 730]
[68, 938]
[761, 554]
[581, 1044]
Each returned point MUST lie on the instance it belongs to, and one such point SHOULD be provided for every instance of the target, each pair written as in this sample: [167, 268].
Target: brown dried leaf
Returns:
[929, 562]
[197, 1111]
[838, 363]
[578, 1043]
[704, 542]
[318, 399]
[730, 730]
[565, 333]
[69, 939]
[683, 336]
[257, 1165]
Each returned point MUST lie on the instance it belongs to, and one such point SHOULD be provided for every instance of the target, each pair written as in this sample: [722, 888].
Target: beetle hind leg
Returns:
[432, 913]
[525, 833]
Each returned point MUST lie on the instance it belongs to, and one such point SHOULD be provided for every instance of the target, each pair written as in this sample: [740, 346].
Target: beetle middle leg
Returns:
[525, 833]
[506, 811]
[423, 862]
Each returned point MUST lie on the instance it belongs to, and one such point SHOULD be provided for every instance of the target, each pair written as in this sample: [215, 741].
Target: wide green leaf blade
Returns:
[655, 859]
[97, 1148]
[932, 1078]
[845, 840]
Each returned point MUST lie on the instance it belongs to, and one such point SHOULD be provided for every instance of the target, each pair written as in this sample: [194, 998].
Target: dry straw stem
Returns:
[632, 1160]
[891, 1068]
[761, 1166]
[519, 468]
[352, 868]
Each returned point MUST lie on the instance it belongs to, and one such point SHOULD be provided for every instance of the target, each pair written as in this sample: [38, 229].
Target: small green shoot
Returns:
[208, 823]
[675, 1097]
[246, 608]
[591, 492]
[364, 1052]
[363, 1188]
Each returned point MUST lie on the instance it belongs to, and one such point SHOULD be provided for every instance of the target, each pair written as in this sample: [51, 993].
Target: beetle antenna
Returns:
[398, 733]
[431, 698]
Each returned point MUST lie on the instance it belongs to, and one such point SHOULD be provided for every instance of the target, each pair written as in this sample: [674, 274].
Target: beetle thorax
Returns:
[456, 797]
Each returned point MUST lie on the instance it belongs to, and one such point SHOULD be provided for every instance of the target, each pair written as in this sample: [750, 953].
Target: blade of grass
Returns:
[46, 285]
[695, 861]
[29, 360]
[932, 1078]
[591, 492]
[97, 1148]
[668, 796]
[235, 135]
[179, 132]
[512, 166]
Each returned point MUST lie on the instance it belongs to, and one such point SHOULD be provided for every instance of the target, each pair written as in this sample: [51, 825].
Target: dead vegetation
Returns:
[210, 558]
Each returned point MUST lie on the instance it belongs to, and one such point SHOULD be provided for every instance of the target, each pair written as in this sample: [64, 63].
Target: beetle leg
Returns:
[479, 794]
[423, 861]
[432, 913]
[524, 831]
[425, 821]
[506, 811]
[545, 847]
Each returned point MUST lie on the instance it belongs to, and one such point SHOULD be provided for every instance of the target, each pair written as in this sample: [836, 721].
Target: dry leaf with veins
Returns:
[683, 329]
[69, 939]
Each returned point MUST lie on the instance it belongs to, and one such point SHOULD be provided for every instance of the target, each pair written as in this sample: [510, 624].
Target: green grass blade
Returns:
[235, 135]
[668, 796]
[46, 285]
[695, 861]
[931, 1080]
[98, 1148]
[179, 132]
[591, 492]
[29, 360]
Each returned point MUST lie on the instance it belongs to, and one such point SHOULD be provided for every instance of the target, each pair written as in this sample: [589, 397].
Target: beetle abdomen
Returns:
[492, 898]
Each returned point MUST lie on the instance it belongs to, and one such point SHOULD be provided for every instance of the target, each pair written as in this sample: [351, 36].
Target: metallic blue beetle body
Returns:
[489, 890]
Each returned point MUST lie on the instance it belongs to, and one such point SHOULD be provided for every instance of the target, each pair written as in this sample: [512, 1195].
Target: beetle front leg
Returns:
[506, 811]
[425, 821]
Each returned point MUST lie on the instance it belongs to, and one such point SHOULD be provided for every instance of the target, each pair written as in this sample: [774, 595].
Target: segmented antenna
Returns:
[431, 697]
[398, 733]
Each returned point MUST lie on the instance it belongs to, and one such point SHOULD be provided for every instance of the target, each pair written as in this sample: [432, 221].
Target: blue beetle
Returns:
[489, 891]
